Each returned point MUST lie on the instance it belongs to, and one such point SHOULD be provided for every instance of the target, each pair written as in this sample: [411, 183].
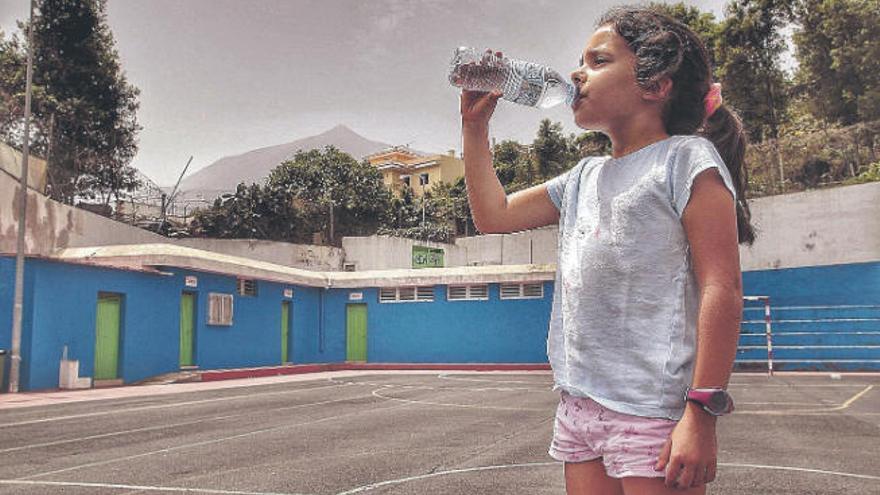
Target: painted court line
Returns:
[162, 406]
[445, 376]
[465, 406]
[171, 489]
[800, 469]
[447, 388]
[208, 442]
[398, 481]
[841, 407]
[173, 425]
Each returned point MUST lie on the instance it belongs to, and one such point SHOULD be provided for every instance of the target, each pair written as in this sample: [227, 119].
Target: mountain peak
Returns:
[340, 129]
[255, 165]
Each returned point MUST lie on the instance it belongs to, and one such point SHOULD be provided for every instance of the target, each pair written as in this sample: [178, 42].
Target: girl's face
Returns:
[606, 83]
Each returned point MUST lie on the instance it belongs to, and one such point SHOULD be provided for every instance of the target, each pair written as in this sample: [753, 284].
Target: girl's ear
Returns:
[659, 90]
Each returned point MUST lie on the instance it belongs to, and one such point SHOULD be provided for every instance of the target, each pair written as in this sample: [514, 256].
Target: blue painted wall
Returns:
[824, 318]
[64, 313]
[493, 331]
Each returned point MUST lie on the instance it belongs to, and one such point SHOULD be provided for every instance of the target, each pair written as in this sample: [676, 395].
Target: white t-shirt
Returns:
[624, 318]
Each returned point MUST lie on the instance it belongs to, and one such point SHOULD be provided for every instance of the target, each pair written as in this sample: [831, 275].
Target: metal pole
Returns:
[769, 333]
[15, 358]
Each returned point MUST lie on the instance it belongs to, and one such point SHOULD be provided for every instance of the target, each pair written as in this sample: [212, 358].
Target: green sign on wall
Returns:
[426, 257]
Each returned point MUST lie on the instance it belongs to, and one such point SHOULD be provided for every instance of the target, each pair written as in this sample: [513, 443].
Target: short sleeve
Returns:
[693, 157]
[556, 185]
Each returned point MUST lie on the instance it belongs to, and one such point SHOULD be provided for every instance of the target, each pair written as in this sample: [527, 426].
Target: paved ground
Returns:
[402, 433]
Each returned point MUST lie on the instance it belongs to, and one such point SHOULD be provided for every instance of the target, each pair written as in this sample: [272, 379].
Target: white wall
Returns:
[52, 225]
[814, 228]
[305, 256]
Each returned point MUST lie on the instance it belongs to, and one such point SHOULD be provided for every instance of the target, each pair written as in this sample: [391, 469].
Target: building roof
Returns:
[160, 256]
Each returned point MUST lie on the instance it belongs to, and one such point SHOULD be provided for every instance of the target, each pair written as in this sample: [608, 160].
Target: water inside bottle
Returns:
[519, 81]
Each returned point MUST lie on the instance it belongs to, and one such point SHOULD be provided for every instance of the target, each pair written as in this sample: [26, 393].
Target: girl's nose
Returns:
[577, 77]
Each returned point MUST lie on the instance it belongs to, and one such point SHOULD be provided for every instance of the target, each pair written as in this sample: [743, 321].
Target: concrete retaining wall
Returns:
[305, 256]
[52, 225]
[816, 228]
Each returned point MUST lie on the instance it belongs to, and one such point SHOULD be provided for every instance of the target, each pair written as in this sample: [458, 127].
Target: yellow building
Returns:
[402, 166]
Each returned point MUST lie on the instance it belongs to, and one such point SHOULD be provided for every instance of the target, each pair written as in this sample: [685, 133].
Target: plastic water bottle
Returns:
[526, 83]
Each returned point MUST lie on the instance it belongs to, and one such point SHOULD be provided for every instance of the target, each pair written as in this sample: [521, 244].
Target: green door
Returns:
[107, 337]
[285, 330]
[187, 324]
[356, 332]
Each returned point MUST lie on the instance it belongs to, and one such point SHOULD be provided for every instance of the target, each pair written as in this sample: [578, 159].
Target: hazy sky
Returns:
[222, 77]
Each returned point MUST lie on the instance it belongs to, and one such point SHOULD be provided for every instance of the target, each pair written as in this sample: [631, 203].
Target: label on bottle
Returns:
[529, 78]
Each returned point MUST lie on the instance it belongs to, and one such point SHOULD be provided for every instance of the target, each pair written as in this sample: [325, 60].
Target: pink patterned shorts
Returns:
[628, 445]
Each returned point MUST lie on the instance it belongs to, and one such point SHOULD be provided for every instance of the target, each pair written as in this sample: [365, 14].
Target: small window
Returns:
[405, 180]
[425, 293]
[247, 287]
[219, 309]
[387, 294]
[468, 292]
[522, 291]
[423, 179]
[406, 294]
[348, 267]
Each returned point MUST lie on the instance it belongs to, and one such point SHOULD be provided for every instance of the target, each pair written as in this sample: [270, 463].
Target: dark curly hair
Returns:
[665, 47]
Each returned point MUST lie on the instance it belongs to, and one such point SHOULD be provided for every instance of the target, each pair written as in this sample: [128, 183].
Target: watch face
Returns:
[718, 402]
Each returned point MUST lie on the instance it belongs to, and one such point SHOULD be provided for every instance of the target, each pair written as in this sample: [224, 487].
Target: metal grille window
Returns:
[468, 292]
[522, 291]
[247, 287]
[406, 294]
[219, 309]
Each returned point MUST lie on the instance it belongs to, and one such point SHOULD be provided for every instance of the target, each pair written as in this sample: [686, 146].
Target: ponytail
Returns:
[725, 129]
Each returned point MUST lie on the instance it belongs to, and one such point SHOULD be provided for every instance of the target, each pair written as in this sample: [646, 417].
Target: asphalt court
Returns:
[410, 433]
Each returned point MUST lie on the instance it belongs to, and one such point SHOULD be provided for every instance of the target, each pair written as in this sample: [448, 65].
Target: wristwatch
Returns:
[715, 401]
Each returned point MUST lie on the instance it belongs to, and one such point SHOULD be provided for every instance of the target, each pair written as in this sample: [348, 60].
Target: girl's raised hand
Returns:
[477, 107]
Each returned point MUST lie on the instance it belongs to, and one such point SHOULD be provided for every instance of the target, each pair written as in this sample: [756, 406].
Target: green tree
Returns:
[513, 165]
[748, 53]
[591, 143]
[84, 109]
[338, 195]
[838, 52]
[252, 212]
[551, 151]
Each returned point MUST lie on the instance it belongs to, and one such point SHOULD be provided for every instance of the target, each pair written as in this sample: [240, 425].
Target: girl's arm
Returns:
[492, 209]
[710, 223]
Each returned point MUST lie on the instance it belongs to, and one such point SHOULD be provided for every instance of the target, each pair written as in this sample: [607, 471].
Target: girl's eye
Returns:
[599, 61]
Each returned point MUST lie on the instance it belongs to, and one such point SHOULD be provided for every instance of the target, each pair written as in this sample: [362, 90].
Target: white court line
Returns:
[172, 425]
[206, 442]
[787, 412]
[466, 406]
[159, 406]
[373, 486]
[799, 469]
[797, 386]
[172, 489]
[444, 388]
[446, 376]
[381, 484]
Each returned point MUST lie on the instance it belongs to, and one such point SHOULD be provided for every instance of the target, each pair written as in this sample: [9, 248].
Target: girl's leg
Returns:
[655, 486]
[589, 478]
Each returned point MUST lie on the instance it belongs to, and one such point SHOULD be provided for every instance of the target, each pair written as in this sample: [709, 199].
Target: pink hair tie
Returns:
[713, 99]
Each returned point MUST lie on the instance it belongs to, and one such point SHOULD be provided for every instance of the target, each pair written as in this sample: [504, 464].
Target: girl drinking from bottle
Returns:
[648, 295]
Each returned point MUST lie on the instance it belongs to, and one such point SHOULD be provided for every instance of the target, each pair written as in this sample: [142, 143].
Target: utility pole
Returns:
[15, 358]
